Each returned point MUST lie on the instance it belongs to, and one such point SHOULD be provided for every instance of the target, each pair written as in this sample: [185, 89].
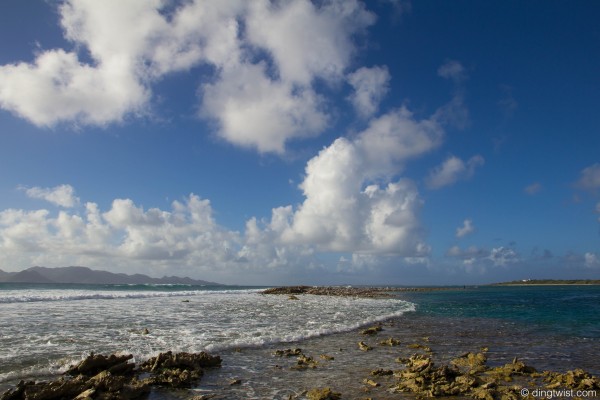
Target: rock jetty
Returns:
[344, 291]
[115, 377]
[348, 291]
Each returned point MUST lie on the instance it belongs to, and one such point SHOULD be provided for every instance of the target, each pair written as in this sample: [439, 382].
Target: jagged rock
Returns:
[576, 379]
[389, 342]
[331, 291]
[382, 372]
[323, 394]
[474, 361]
[327, 357]
[364, 347]
[234, 382]
[373, 330]
[181, 360]
[85, 395]
[114, 378]
[288, 352]
[419, 346]
[94, 364]
[370, 382]
[307, 362]
[293, 297]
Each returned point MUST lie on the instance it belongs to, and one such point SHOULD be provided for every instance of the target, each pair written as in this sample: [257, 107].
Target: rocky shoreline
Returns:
[416, 376]
[466, 376]
[114, 377]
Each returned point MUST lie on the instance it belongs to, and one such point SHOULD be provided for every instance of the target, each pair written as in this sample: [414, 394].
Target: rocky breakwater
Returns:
[349, 291]
[116, 377]
[344, 291]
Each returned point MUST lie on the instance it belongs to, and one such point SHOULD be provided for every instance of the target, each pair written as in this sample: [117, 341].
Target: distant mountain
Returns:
[3, 275]
[89, 276]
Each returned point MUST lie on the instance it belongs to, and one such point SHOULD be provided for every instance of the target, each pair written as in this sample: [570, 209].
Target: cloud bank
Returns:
[264, 59]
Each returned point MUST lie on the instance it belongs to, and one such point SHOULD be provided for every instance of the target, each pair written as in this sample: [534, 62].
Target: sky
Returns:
[296, 142]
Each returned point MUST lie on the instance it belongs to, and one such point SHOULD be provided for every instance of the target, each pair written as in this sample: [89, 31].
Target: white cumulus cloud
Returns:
[370, 86]
[465, 229]
[62, 195]
[345, 209]
[452, 170]
[591, 260]
[265, 58]
[255, 111]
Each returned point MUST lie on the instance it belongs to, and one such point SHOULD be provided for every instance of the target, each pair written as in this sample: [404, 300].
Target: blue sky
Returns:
[284, 142]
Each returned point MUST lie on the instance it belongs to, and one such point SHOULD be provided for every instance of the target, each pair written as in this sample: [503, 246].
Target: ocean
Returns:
[46, 328]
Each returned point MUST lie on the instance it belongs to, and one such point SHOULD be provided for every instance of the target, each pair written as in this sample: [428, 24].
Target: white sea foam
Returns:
[32, 295]
[61, 326]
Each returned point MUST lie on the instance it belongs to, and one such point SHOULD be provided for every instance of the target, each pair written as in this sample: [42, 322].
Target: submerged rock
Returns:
[382, 372]
[364, 347]
[373, 330]
[288, 352]
[323, 394]
[370, 382]
[389, 342]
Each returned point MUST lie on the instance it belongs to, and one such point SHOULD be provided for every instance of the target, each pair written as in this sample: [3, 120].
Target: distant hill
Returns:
[86, 275]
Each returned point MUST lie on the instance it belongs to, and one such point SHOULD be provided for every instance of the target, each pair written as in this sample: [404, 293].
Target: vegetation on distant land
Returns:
[552, 282]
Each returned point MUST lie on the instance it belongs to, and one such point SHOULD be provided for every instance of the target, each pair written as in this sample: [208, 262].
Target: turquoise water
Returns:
[569, 310]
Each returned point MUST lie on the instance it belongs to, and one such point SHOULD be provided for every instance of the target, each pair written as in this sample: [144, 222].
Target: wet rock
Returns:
[180, 369]
[288, 352]
[323, 394]
[382, 372]
[576, 379]
[94, 364]
[292, 297]
[373, 330]
[364, 347]
[181, 360]
[370, 382]
[307, 362]
[419, 346]
[86, 395]
[327, 357]
[389, 342]
[100, 377]
[235, 382]
[474, 361]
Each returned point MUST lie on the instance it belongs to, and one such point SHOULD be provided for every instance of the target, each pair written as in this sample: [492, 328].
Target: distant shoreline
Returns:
[550, 282]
